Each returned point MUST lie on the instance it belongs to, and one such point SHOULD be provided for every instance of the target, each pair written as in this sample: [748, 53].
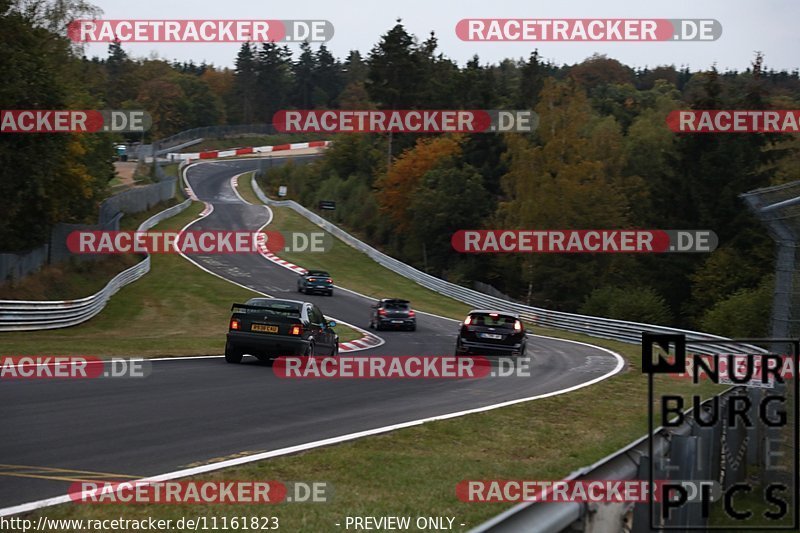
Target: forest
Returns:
[602, 157]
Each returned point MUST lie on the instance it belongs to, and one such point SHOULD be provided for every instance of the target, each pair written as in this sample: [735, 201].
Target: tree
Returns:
[745, 313]
[328, 78]
[355, 68]
[304, 82]
[199, 106]
[600, 70]
[395, 74]
[243, 102]
[450, 197]
[397, 187]
[570, 179]
[273, 80]
[635, 304]
[44, 178]
[531, 80]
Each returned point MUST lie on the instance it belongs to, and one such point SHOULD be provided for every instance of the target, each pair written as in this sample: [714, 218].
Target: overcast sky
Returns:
[769, 26]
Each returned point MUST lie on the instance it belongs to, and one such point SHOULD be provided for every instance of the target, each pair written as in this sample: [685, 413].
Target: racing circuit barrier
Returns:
[22, 315]
[606, 328]
[674, 448]
[690, 453]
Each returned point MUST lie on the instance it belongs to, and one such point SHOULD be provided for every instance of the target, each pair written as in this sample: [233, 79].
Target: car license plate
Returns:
[263, 327]
[491, 336]
[397, 321]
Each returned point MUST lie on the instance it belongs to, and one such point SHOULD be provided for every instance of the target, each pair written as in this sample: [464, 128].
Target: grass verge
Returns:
[175, 309]
[245, 188]
[76, 279]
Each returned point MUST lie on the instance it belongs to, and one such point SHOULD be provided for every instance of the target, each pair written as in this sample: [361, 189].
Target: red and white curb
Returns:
[367, 341]
[214, 154]
[262, 247]
[278, 261]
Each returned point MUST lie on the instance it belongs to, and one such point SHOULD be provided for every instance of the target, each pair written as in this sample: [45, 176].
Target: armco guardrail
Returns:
[719, 450]
[606, 328]
[22, 315]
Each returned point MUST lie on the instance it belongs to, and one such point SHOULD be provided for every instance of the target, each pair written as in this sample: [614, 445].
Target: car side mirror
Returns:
[332, 324]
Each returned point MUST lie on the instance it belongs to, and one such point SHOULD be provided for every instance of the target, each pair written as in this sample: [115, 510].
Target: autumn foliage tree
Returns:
[398, 186]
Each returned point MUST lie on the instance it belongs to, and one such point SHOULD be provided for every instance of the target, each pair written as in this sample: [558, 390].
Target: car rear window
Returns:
[276, 307]
[320, 273]
[396, 305]
[499, 321]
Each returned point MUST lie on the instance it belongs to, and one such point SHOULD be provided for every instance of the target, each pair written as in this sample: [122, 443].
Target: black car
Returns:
[485, 332]
[392, 313]
[269, 328]
[315, 281]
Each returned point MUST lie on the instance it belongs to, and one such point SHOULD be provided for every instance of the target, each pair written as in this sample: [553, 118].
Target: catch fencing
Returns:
[23, 315]
[211, 132]
[15, 266]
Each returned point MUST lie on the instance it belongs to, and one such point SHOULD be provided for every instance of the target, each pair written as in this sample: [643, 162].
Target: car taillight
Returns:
[329, 280]
[517, 325]
[411, 312]
[296, 330]
[468, 321]
[235, 324]
[382, 312]
[312, 279]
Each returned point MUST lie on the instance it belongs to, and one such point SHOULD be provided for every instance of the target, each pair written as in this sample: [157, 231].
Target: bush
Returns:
[636, 304]
[746, 313]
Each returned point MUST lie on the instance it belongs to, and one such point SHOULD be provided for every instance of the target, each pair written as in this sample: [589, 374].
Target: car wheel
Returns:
[232, 355]
[413, 328]
[309, 350]
[335, 349]
[299, 289]
[378, 326]
[330, 292]
[460, 350]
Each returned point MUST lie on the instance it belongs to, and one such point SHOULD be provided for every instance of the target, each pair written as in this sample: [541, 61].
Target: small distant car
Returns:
[392, 313]
[315, 281]
[268, 328]
[486, 332]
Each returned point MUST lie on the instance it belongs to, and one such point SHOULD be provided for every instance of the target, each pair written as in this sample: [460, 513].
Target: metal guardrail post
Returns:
[683, 457]
[641, 511]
